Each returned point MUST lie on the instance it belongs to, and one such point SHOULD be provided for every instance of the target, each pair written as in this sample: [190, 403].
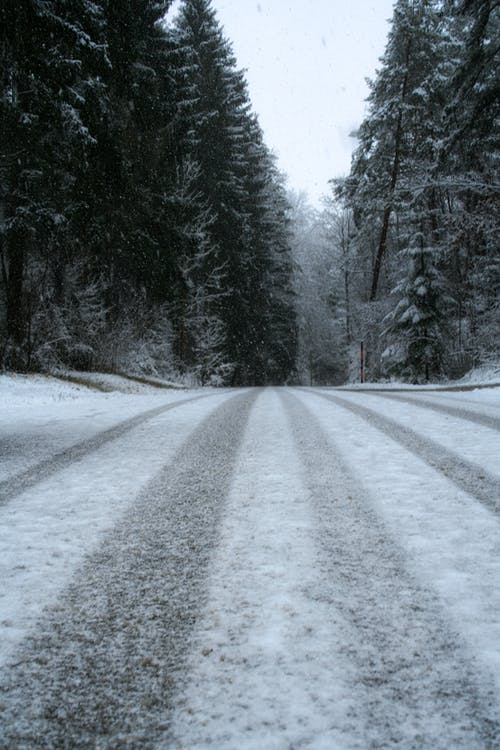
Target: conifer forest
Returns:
[145, 226]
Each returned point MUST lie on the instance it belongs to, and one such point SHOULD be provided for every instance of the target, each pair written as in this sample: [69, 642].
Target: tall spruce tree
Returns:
[216, 105]
[398, 124]
[468, 168]
[392, 186]
[423, 190]
[131, 162]
[139, 203]
[48, 51]
[235, 178]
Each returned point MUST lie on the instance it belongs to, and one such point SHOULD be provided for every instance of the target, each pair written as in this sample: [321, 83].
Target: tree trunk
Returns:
[16, 255]
[347, 308]
[398, 134]
[382, 243]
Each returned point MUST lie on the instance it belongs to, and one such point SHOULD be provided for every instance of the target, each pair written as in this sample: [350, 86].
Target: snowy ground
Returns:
[278, 568]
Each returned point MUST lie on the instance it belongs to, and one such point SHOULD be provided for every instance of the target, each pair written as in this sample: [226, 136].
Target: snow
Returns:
[262, 656]
[485, 400]
[268, 661]
[479, 445]
[453, 542]
[353, 593]
[121, 383]
[40, 416]
[46, 531]
[487, 376]
[484, 375]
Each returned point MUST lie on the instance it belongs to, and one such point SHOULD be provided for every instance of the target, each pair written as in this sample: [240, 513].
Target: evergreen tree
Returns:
[131, 164]
[467, 166]
[321, 356]
[417, 325]
[264, 293]
[215, 108]
[237, 181]
[413, 177]
[281, 337]
[47, 49]
[398, 127]
[141, 213]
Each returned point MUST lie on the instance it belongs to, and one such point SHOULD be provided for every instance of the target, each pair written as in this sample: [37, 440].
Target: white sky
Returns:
[306, 63]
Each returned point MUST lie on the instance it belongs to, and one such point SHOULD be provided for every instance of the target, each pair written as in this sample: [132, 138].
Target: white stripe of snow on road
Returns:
[46, 531]
[454, 542]
[33, 430]
[474, 442]
[265, 669]
[484, 401]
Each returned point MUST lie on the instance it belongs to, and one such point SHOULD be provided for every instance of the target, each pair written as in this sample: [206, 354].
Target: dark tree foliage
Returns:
[238, 182]
[49, 53]
[424, 192]
[143, 223]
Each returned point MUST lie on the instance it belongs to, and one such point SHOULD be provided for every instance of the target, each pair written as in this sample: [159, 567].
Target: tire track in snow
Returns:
[418, 689]
[467, 476]
[100, 670]
[265, 669]
[470, 416]
[13, 486]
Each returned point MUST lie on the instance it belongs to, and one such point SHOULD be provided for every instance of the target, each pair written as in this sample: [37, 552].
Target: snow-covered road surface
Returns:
[277, 568]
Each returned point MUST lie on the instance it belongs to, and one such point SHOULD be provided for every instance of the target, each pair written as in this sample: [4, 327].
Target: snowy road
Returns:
[276, 568]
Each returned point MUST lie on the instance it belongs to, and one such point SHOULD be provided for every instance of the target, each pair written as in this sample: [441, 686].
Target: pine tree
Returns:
[426, 168]
[398, 126]
[46, 48]
[215, 107]
[130, 162]
[139, 202]
[467, 166]
[321, 356]
[417, 326]
[237, 181]
[279, 353]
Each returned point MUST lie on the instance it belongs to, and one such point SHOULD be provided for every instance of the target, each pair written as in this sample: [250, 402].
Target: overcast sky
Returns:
[306, 63]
